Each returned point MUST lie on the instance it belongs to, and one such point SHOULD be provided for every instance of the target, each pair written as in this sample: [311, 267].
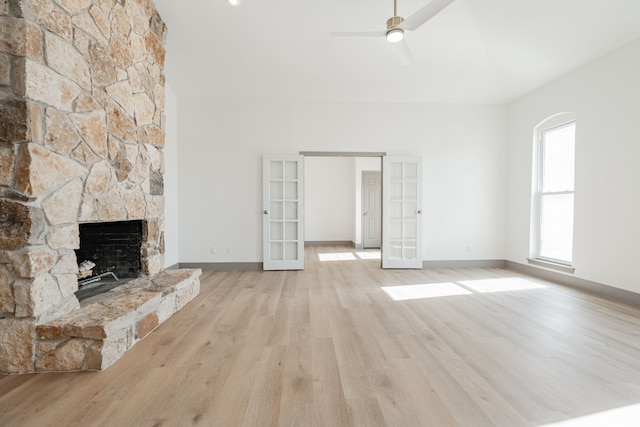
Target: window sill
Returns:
[552, 265]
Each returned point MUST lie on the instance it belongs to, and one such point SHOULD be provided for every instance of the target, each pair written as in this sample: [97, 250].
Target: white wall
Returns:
[605, 97]
[329, 193]
[171, 256]
[222, 143]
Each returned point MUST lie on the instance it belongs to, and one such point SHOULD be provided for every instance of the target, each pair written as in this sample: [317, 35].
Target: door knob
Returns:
[419, 212]
[266, 212]
[364, 213]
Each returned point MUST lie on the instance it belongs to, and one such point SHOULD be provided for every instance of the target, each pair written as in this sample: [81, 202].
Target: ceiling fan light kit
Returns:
[394, 34]
[397, 25]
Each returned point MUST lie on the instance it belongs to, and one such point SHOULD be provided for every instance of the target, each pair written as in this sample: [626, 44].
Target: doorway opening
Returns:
[343, 208]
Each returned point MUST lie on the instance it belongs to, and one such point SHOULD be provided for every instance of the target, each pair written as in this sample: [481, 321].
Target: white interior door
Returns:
[283, 218]
[371, 209]
[401, 212]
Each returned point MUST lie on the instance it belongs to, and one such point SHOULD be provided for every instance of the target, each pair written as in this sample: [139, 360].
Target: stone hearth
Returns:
[81, 141]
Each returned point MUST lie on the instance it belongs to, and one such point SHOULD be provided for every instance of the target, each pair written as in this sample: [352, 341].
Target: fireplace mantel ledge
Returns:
[109, 324]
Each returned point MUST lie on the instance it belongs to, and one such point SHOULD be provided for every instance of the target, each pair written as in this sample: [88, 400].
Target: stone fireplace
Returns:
[81, 142]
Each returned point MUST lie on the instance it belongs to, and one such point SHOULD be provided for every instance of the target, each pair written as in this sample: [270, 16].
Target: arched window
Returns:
[553, 201]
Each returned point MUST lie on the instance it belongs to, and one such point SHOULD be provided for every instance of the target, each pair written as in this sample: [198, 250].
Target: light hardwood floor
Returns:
[327, 346]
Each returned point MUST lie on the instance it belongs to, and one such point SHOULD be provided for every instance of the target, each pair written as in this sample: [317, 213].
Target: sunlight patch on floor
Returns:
[345, 256]
[432, 290]
[627, 416]
[369, 255]
[507, 284]
[349, 256]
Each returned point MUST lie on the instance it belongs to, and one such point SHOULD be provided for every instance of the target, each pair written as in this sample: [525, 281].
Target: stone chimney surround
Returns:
[81, 140]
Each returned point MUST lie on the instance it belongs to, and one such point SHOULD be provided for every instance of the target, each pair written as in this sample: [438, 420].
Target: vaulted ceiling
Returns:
[474, 51]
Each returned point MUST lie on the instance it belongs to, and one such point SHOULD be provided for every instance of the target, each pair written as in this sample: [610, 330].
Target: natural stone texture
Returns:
[83, 154]
[135, 204]
[122, 166]
[63, 57]
[20, 121]
[93, 129]
[93, 360]
[155, 136]
[155, 48]
[67, 283]
[44, 347]
[101, 20]
[51, 16]
[5, 70]
[119, 123]
[17, 357]
[32, 262]
[155, 206]
[83, 42]
[137, 48]
[88, 209]
[121, 93]
[67, 237]
[49, 331]
[156, 183]
[85, 22]
[62, 206]
[110, 206]
[67, 263]
[20, 38]
[167, 307]
[103, 73]
[47, 86]
[120, 21]
[140, 170]
[6, 166]
[14, 120]
[60, 134]
[139, 21]
[119, 52]
[98, 180]
[145, 108]
[74, 6]
[39, 170]
[113, 350]
[68, 357]
[7, 302]
[122, 74]
[85, 103]
[68, 305]
[146, 325]
[35, 296]
[16, 225]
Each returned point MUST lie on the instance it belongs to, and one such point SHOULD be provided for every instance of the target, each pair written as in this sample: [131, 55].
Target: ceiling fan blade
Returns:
[427, 12]
[358, 34]
[402, 52]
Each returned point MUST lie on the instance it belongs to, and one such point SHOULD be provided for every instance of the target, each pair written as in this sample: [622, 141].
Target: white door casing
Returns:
[402, 212]
[371, 209]
[283, 212]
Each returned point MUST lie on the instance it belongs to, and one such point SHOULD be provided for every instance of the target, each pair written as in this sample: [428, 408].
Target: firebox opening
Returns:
[114, 248]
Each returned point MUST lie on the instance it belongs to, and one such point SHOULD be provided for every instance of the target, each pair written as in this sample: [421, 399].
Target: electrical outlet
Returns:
[228, 250]
[212, 250]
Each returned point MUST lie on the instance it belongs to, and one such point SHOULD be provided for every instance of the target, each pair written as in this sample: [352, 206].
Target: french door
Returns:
[283, 212]
[401, 212]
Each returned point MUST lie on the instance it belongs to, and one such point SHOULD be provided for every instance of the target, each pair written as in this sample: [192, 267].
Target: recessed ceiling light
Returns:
[234, 2]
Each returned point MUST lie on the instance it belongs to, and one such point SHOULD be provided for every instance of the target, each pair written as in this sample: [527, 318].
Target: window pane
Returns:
[558, 159]
[556, 227]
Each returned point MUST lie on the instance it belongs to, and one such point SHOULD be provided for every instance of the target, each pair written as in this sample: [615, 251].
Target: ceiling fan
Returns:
[397, 25]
